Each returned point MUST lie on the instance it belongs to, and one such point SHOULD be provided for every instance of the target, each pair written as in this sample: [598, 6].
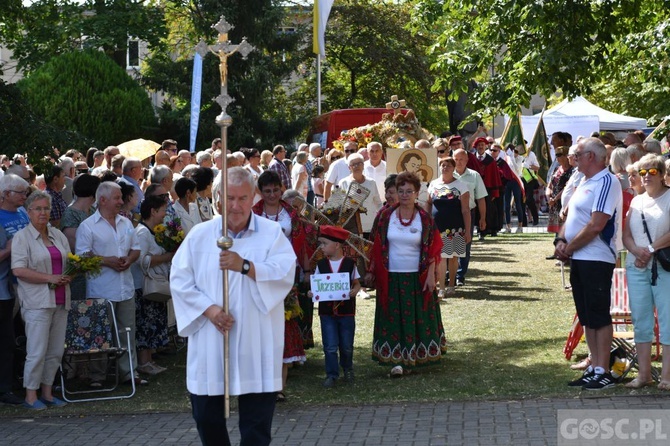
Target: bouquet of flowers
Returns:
[169, 236]
[292, 305]
[85, 264]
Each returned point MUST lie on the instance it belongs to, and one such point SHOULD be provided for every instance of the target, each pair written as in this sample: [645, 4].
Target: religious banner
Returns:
[540, 146]
[329, 287]
[196, 87]
[422, 162]
[513, 134]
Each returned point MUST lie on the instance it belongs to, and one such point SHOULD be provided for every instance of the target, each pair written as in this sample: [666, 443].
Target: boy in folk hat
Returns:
[337, 317]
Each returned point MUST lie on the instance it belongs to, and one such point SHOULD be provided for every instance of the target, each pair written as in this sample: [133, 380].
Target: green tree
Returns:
[637, 83]
[86, 92]
[258, 85]
[519, 48]
[22, 131]
[46, 28]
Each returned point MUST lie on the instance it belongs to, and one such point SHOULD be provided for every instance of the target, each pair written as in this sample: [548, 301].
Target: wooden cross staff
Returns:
[395, 104]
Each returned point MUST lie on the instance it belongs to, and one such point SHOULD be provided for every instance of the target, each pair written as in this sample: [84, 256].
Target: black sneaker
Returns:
[349, 376]
[329, 382]
[600, 382]
[10, 398]
[582, 380]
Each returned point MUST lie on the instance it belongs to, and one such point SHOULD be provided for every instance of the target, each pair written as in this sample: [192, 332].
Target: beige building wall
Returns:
[8, 66]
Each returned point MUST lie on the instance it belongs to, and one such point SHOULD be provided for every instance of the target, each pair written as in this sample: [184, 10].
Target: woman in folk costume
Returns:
[272, 207]
[408, 329]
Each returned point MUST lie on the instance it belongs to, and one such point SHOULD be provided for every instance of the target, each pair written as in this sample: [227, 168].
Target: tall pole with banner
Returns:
[223, 49]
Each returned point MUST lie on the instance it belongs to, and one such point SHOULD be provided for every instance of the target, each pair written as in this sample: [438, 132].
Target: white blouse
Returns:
[404, 244]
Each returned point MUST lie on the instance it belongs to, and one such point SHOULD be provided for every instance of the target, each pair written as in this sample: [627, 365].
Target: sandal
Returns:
[638, 383]
[281, 398]
[582, 365]
[664, 385]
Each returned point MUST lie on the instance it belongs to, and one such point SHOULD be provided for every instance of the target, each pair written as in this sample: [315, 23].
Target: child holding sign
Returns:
[336, 313]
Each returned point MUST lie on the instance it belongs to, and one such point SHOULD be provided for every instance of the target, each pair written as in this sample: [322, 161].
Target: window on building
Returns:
[133, 60]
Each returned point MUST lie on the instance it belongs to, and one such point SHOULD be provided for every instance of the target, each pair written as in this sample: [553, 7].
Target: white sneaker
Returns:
[519, 230]
[506, 230]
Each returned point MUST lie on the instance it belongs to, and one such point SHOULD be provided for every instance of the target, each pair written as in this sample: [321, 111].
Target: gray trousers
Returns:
[45, 335]
[125, 317]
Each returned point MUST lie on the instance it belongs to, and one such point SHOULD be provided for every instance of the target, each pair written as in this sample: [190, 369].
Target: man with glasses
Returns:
[110, 152]
[13, 218]
[375, 167]
[277, 165]
[133, 174]
[587, 239]
[339, 169]
[170, 146]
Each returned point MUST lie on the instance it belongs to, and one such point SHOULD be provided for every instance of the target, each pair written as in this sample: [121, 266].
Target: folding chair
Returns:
[94, 337]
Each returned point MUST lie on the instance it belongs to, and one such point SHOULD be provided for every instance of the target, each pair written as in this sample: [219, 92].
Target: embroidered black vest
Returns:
[338, 308]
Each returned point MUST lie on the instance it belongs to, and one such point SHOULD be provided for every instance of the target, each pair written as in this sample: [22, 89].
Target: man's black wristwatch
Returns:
[560, 239]
[246, 267]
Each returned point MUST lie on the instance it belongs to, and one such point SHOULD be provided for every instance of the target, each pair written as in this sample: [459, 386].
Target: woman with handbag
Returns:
[154, 266]
[646, 236]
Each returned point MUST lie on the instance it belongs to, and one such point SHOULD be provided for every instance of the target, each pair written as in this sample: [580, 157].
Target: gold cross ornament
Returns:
[395, 104]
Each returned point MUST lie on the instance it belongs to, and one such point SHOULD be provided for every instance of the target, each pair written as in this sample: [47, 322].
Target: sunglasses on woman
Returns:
[335, 158]
[653, 172]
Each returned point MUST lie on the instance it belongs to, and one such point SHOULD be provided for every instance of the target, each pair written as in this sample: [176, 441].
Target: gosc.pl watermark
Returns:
[613, 427]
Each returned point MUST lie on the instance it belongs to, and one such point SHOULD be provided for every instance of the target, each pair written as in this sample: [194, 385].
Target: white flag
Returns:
[321, 13]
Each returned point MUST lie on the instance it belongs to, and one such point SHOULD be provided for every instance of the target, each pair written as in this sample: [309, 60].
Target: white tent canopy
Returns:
[608, 121]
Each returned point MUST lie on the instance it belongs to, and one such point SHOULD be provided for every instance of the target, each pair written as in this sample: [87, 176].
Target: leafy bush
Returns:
[86, 92]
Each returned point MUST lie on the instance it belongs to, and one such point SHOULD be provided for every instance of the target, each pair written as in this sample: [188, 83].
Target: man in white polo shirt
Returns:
[339, 169]
[111, 236]
[375, 167]
[588, 240]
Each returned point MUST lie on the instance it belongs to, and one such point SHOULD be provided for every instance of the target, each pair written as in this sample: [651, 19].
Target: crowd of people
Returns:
[108, 205]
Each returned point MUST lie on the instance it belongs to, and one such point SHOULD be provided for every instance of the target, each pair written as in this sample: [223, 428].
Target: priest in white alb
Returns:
[261, 268]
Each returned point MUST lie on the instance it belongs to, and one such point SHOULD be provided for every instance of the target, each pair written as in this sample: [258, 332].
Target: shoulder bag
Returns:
[156, 287]
[661, 255]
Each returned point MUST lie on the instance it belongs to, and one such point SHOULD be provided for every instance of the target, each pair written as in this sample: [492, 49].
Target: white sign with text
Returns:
[329, 287]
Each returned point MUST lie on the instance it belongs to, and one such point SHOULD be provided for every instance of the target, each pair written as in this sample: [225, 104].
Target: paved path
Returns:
[523, 422]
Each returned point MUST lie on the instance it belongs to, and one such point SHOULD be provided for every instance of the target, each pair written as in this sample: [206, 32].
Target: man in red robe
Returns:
[484, 163]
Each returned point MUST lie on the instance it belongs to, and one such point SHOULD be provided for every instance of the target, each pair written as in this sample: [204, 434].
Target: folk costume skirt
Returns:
[406, 334]
[293, 347]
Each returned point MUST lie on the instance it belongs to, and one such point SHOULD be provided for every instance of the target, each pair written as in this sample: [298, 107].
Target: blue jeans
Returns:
[337, 333]
[512, 188]
[643, 298]
[464, 262]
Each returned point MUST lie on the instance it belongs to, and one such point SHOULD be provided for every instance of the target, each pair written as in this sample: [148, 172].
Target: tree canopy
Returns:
[260, 113]
[516, 49]
[46, 28]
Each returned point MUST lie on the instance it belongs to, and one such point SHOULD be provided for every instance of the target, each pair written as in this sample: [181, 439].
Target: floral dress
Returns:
[151, 317]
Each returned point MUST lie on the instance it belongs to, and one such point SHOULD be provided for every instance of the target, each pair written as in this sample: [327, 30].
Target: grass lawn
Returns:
[506, 330]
